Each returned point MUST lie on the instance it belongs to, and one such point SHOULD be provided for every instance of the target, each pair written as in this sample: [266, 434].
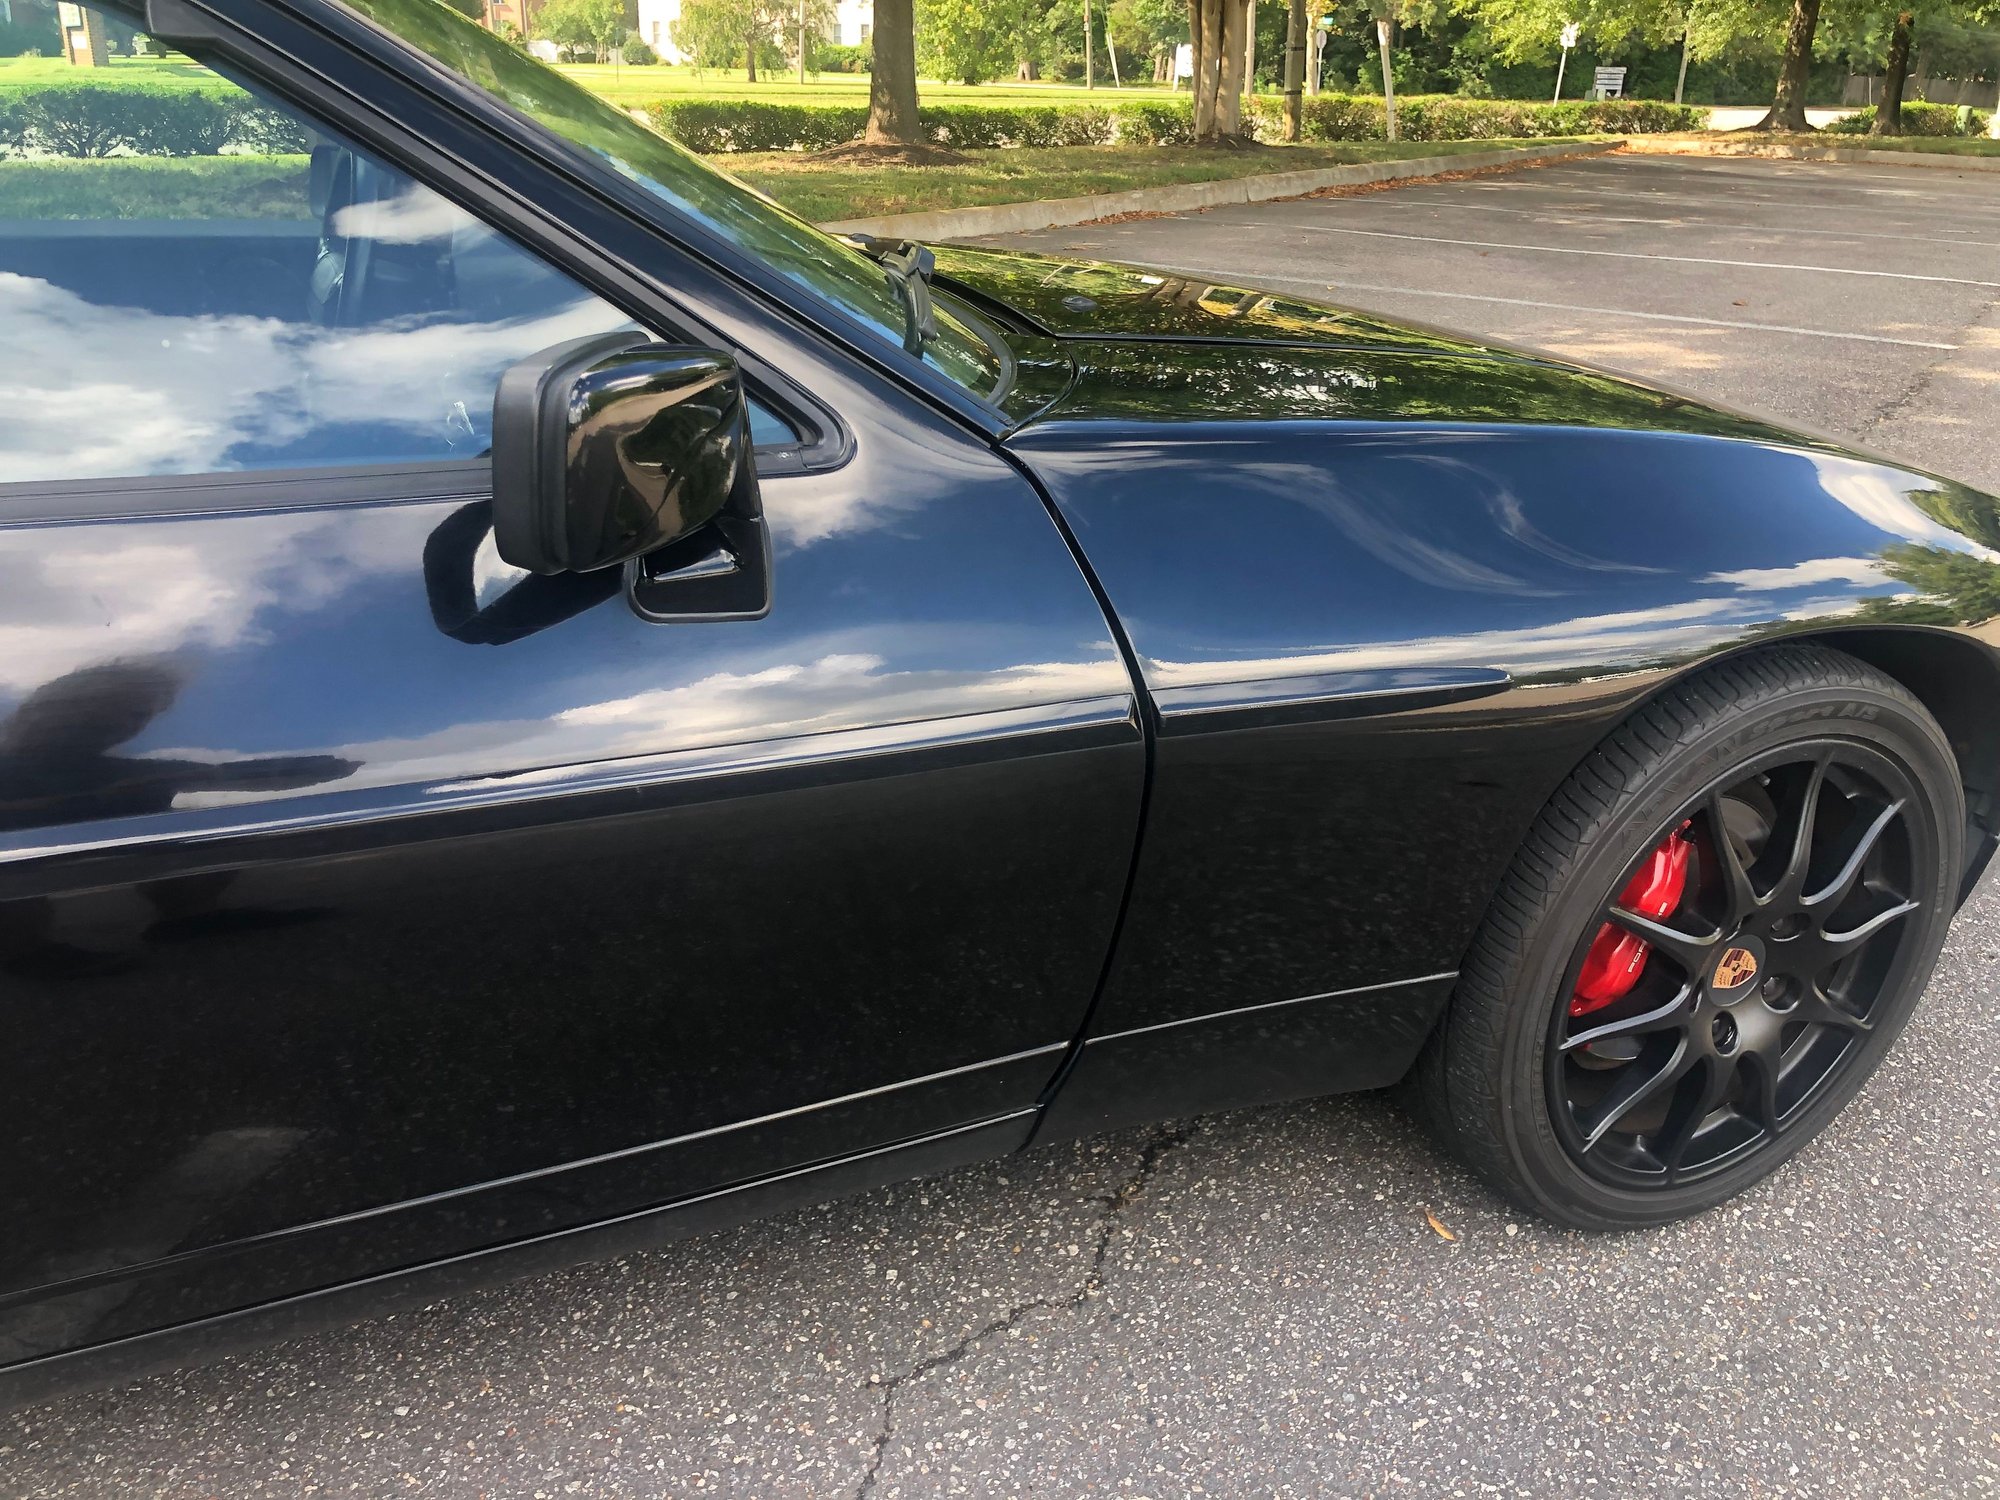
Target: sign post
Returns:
[1570, 32]
[1320, 34]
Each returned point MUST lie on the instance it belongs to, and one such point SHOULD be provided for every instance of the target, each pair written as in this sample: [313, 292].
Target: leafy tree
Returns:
[592, 26]
[727, 33]
[975, 40]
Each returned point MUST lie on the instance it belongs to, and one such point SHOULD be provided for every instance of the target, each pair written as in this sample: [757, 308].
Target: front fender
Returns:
[1373, 650]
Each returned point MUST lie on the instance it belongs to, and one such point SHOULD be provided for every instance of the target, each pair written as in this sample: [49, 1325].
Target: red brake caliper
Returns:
[1617, 958]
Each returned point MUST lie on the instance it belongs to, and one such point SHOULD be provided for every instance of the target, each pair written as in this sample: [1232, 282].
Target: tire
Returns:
[1772, 768]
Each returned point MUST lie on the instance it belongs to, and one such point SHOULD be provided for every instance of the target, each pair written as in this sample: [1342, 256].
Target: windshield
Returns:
[823, 263]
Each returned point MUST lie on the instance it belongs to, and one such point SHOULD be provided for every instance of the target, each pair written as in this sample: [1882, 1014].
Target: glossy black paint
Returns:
[1146, 740]
[1382, 604]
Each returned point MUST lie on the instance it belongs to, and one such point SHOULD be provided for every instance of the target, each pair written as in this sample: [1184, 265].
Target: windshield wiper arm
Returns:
[910, 267]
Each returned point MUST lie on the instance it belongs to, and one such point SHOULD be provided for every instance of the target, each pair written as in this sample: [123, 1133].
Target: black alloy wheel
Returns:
[1709, 941]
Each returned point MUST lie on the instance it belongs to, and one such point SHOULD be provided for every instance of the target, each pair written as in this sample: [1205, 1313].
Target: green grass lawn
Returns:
[273, 187]
[848, 192]
[26, 72]
[636, 86]
[156, 187]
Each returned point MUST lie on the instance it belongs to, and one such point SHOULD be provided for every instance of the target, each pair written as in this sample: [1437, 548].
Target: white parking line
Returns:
[1321, 288]
[1626, 312]
[1563, 216]
[1549, 183]
[1689, 260]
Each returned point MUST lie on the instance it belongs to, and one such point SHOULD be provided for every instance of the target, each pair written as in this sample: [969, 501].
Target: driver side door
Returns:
[364, 901]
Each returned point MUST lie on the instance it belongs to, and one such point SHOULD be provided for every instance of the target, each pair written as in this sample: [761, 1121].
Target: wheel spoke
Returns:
[1837, 890]
[1760, 1071]
[1664, 1018]
[1799, 861]
[1840, 944]
[1689, 950]
[1822, 1008]
[1739, 894]
[1633, 1088]
[1716, 1073]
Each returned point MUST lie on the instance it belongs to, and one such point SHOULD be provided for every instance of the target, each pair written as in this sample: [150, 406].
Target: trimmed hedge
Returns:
[1919, 118]
[717, 126]
[714, 126]
[145, 119]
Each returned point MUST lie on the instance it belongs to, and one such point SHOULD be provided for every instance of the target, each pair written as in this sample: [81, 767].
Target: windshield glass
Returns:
[825, 264]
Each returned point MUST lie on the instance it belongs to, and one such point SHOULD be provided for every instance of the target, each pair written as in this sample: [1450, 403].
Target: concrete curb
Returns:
[1681, 146]
[1048, 213]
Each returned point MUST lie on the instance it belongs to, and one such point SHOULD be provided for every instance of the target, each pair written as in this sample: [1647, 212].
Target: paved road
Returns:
[1256, 1303]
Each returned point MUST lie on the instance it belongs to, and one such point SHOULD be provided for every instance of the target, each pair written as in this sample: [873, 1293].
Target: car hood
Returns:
[1090, 299]
[1117, 344]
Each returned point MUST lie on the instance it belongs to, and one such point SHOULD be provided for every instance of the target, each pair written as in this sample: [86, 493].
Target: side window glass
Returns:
[195, 279]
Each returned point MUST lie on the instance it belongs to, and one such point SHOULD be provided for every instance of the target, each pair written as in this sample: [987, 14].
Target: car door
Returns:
[364, 901]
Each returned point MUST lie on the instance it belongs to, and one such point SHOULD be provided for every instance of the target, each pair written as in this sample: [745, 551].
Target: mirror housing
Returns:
[610, 448]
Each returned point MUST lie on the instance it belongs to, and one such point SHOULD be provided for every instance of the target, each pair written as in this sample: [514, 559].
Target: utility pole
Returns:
[1383, 27]
[1249, 47]
[1089, 52]
[802, 43]
[1571, 30]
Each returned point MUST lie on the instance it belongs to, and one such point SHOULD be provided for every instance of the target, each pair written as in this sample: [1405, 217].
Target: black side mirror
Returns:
[612, 451]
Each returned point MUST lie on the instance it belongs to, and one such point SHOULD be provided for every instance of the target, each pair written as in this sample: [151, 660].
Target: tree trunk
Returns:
[1229, 84]
[750, 58]
[1681, 83]
[892, 82]
[802, 42]
[1382, 29]
[1089, 51]
[1889, 113]
[1295, 70]
[1207, 16]
[1788, 110]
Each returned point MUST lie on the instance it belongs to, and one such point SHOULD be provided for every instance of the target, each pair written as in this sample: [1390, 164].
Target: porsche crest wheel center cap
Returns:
[1737, 970]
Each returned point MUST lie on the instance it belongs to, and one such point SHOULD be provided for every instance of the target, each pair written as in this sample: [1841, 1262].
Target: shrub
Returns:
[99, 118]
[183, 123]
[973, 127]
[270, 132]
[69, 119]
[712, 126]
[832, 57]
[1454, 117]
[1919, 118]
[636, 53]
[1156, 123]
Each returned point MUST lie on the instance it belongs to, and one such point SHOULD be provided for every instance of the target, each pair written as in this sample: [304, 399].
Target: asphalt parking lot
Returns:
[1858, 299]
[1258, 1303]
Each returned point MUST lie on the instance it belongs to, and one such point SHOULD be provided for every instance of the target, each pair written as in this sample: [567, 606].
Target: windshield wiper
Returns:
[910, 267]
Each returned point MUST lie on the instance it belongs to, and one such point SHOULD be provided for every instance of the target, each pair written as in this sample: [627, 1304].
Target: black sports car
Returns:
[546, 703]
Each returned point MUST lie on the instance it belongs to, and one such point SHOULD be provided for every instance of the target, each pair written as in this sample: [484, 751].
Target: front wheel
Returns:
[1709, 940]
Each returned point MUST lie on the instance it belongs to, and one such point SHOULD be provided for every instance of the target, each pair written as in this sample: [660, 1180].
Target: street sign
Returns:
[1571, 31]
[1610, 83]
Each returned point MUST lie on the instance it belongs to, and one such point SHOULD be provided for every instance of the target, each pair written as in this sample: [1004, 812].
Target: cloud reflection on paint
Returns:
[95, 391]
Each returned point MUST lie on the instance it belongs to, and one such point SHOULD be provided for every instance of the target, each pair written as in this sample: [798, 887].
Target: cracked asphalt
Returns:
[1258, 1303]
